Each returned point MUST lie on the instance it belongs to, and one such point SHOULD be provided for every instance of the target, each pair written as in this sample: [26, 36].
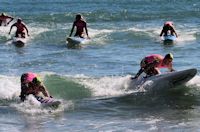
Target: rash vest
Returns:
[158, 58]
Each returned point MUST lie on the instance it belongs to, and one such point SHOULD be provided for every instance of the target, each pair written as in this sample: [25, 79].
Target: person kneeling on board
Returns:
[152, 63]
[21, 27]
[31, 84]
[80, 25]
[168, 29]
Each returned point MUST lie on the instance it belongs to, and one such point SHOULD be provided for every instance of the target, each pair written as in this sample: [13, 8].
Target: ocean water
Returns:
[92, 81]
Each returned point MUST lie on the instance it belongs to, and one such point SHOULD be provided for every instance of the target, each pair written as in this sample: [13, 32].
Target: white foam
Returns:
[9, 87]
[194, 81]
[107, 86]
[33, 106]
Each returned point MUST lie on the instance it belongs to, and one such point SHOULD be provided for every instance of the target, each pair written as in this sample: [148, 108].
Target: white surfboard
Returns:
[164, 81]
[48, 102]
[76, 41]
[169, 38]
[19, 42]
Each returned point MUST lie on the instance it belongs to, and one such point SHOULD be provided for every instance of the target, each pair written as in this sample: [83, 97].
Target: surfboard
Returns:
[19, 42]
[169, 38]
[164, 81]
[48, 102]
[75, 41]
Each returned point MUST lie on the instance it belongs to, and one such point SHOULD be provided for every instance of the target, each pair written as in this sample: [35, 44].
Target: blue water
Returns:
[91, 81]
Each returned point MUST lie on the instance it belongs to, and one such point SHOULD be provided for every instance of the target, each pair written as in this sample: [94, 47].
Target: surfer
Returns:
[31, 84]
[152, 63]
[168, 29]
[21, 27]
[5, 19]
[80, 25]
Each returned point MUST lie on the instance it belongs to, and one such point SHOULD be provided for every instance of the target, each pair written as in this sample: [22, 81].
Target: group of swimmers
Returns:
[31, 83]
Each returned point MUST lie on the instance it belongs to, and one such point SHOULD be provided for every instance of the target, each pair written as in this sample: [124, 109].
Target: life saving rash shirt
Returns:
[156, 57]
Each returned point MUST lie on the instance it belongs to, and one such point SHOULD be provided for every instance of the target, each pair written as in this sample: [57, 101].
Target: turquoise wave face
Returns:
[66, 88]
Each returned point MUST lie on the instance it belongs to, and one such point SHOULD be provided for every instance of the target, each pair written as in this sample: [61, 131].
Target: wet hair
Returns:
[78, 16]
[169, 56]
[19, 20]
[23, 77]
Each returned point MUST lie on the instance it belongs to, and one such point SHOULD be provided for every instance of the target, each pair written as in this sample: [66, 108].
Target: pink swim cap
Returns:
[30, 76]
[168, 23]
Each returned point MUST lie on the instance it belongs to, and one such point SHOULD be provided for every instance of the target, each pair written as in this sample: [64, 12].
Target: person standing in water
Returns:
[21, 27]
[80, 25]
[5, 19]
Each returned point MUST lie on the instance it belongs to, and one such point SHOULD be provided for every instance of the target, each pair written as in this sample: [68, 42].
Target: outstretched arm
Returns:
[139, 73]
[11, 28]
[11, 18]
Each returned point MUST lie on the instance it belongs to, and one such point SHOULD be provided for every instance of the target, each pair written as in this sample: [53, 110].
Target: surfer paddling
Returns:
[80, 25]
[21, 27]
[152, 63]
[31, 84]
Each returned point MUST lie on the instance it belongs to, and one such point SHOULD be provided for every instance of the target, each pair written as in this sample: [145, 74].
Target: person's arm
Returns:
[26, 29]
[11, 18]
[86, 30]
[174, 32]
[139, 73]
[161, 32]
[171, 69]
[11, 28]
[44, 91]
[72, 29]
[23, 94]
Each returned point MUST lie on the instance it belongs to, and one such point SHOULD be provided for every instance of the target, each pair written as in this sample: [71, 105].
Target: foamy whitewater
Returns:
[92, 82]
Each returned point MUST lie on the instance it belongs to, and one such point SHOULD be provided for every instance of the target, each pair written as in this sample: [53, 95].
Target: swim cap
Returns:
[170, 23]
[169, 56]
[30, 76]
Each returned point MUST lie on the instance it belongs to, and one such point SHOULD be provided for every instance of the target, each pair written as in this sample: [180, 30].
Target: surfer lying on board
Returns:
[5, 19]
[152, 63]
[168, 29]
[80, 25]
[31, 84]
[21, 27]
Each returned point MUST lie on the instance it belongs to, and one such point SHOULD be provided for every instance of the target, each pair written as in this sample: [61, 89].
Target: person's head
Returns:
[168, 24]
[168, 58]
[78, 17]
[19, 20]
[2, 14]
[36, 81]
